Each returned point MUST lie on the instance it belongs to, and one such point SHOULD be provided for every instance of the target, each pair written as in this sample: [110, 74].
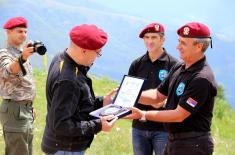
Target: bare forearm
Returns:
[176, 115]
[151, 97]
[163, 116]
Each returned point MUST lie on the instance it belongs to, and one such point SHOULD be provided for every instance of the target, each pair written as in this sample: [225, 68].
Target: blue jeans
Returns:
[68, 153]
[145, 142]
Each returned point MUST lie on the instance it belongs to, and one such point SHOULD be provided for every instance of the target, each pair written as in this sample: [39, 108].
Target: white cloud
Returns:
[223, 37]
[226, 34]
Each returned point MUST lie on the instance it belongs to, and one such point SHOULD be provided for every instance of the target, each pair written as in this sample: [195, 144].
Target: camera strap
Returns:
[21, 62]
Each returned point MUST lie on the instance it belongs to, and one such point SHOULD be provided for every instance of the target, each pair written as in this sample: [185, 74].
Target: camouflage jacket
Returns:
[16, 87]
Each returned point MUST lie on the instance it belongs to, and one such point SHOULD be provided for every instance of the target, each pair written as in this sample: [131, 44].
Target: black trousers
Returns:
[202, 145]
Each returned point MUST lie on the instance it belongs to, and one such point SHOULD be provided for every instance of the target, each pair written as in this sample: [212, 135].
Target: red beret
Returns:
[15, 22]
[194, 30]
[88, 37]
[153, 28]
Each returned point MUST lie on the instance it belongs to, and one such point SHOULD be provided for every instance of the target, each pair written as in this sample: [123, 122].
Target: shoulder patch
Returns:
[191, 102]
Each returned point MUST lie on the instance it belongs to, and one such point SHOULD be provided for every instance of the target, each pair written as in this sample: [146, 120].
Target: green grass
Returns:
[118, 141]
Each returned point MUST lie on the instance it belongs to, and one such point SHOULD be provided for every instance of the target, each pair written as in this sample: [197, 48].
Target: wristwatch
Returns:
[143, 117]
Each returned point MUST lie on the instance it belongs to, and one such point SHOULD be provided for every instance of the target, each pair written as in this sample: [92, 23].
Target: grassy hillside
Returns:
[118, 141]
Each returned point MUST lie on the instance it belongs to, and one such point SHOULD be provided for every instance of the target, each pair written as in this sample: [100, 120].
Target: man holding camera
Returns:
[17, 89]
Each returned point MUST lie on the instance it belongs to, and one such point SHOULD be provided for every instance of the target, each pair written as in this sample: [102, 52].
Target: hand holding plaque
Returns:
[126, 96]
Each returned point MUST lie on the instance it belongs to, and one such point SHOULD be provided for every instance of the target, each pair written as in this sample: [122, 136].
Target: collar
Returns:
[13, 49]
[196, 66]
[163, 57]
[81, 68]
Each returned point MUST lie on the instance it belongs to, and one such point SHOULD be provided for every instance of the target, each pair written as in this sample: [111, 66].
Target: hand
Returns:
[136, 113]
[108, 122]
[27, 50]
[156, 106]
[160, 104]
[34, 114]
[108, 97]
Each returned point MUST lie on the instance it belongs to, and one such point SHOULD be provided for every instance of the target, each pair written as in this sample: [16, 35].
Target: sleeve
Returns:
[99, 102]
[62, 111]
[195, 95]
[5, 62]
[164, 85]
[132, 71]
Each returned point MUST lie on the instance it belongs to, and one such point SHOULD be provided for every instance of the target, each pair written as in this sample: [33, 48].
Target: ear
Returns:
[84, 51]
[163, 39]
[8, 31]
[199, 46]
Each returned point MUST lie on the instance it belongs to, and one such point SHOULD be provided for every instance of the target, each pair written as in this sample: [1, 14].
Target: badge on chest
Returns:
[180, 89]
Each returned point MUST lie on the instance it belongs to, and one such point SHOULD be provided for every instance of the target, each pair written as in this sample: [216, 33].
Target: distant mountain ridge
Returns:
[51, 21]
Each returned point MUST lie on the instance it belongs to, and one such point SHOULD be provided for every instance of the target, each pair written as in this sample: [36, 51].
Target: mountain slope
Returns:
[50, 21]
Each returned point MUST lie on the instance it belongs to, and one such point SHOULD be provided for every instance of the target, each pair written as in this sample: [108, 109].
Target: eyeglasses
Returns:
[99, 54]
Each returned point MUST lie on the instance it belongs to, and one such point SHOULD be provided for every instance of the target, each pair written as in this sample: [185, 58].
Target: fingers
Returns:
[29, 44]
[136, 113]
[111, 123]
[108, 98]
[130, 116]
[156, 106]
[113, 92]
[108, 118]
[134, 109]
[27, 51]
[34, 114]
[108, 122]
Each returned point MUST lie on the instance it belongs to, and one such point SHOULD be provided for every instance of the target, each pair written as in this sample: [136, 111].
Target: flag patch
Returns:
[191, 102]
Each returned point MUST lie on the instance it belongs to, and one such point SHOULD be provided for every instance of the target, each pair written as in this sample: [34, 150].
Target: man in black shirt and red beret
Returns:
[70, 97]
[154, 66]
[190, 89]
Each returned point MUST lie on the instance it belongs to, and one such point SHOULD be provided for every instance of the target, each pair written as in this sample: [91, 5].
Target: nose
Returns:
[178, 47]
[25, 34]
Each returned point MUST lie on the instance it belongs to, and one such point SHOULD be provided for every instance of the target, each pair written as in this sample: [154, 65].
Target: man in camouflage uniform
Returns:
[17, 90]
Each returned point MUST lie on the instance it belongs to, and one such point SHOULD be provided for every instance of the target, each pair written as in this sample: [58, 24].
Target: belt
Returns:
[185, 135]
[23, 102]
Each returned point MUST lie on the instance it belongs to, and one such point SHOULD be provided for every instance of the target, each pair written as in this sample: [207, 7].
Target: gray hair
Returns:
[205, 41]
[161, 35]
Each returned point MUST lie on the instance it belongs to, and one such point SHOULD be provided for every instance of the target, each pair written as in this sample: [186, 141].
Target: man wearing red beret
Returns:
[190, 89]
[17, 89]
[70, 97]
[154, 65]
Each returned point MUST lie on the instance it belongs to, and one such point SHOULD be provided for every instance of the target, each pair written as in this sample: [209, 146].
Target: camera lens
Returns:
[40, 49]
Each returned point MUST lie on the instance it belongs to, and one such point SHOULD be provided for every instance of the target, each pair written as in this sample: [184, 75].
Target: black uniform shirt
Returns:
[194, 89]
[154, 73]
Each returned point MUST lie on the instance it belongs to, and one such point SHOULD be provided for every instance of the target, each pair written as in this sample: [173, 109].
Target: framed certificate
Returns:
[128, 93]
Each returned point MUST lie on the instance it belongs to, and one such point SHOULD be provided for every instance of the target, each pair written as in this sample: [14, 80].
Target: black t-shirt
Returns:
[154, 73]
[194, 89]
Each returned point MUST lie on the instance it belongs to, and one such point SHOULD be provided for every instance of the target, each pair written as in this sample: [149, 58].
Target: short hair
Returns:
[161, 35]
[205, 41]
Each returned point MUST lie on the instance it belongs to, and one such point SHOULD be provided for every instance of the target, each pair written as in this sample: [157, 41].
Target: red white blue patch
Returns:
[191, 102]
